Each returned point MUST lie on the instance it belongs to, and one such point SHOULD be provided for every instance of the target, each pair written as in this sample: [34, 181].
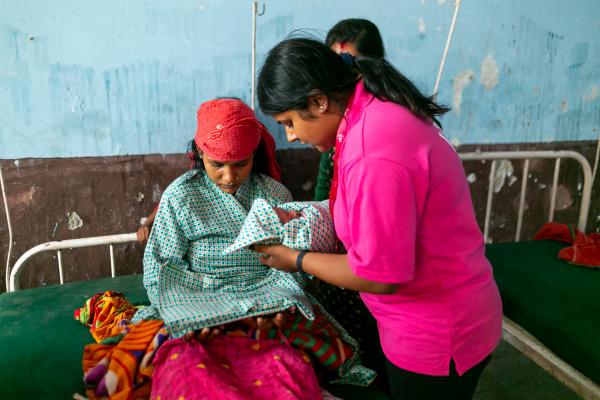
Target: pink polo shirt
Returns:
[404, 213]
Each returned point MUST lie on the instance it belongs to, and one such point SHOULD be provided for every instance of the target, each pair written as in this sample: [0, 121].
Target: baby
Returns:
[299, 225]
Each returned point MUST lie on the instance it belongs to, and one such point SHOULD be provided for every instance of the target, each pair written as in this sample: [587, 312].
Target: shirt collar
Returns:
[357, 102]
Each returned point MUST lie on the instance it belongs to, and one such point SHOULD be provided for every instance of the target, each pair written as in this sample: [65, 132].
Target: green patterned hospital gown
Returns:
[191, 284]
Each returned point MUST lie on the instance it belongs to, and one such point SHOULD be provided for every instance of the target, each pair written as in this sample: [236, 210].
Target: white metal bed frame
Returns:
[512, 333]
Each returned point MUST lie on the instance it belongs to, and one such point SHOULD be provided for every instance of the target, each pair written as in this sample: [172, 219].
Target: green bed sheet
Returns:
[41, 345]
[557, 302]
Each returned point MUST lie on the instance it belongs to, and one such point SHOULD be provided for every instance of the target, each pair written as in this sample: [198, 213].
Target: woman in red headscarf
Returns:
[201, 212]
[193, 286]
[225, 154]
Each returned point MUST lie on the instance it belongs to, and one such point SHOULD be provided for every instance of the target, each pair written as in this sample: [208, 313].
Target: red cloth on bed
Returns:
[585, 249]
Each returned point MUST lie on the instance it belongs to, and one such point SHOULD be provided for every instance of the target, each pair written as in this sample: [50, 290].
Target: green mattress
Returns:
[41, 345]
[558, 303]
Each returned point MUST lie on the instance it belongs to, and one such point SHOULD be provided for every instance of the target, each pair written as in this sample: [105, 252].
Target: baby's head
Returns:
[286, 216]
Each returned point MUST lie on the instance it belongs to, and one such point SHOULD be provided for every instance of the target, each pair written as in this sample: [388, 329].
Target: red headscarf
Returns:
[229, 131]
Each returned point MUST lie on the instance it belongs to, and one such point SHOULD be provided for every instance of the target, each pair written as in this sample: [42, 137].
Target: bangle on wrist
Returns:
[299, 258]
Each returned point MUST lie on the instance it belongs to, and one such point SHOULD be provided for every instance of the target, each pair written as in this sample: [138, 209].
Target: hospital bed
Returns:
[551, 308]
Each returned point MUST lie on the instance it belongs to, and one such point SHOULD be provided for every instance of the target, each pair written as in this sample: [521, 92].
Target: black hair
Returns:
[362, 33]
[299, 68]
[195, 156]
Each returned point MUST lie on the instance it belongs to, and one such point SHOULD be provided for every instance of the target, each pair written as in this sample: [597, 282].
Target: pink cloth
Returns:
[232, 368]
[404, 214]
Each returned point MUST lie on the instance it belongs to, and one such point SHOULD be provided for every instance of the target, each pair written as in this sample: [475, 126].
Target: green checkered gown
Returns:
[191, 284]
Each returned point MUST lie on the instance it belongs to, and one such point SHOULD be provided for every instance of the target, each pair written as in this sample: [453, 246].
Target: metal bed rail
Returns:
[526, 156]
[494, 157]
[523, 341]
[109, 240]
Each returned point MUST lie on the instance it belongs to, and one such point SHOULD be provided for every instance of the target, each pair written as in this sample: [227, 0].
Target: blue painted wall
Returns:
[113, 77]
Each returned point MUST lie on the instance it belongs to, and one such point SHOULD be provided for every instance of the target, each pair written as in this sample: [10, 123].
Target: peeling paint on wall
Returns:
[74, 221]
[459, 82]
[24, 198]
[421, 24]
[593, 95]
[564, 105]
[503, 171]
[156, 193]
[563, 198]
[489, 73]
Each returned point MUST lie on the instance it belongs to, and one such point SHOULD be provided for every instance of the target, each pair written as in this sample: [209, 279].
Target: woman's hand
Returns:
[203, 334]
[279, 257]
[142, 234]
[286, 216]
[266, 322]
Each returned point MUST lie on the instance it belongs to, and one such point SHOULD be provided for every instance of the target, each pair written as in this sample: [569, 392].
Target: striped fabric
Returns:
[123, 371]
[105, 314]
[327, 342]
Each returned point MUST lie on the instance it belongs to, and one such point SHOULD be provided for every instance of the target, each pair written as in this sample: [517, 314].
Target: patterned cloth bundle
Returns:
[312, 231]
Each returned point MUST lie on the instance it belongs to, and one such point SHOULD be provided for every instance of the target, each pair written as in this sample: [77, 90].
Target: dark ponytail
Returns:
[385, 82]
[298, 68]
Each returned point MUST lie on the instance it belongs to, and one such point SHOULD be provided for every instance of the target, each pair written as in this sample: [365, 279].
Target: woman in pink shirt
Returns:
[402, 210]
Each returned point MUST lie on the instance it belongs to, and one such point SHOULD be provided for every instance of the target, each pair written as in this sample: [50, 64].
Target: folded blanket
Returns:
[104, 314]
